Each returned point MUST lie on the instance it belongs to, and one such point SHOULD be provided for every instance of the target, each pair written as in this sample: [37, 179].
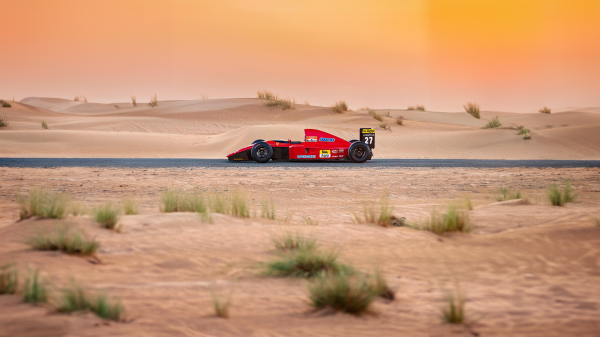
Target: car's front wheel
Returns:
[262, 152]
[359, 152]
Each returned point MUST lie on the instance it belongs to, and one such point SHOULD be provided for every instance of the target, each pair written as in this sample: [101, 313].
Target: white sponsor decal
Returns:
[307, 156]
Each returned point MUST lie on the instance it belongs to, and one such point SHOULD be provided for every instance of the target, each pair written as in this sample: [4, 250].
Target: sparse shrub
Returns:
[341, 292]
[76, 99]
[130, 206]
[34, 289]
[472, 109]
[153, 101]
[289, 242]
[5, 103]
[107, 215]
[44, 125]
[494, 123]
[339, 107]
[548, 126]
[385, 126]
[43, 203]
[420, 107]
[77, 299]
[506, 194]
[454, 312]
[526, 136]
[558, 198]
[400, 120]
[9, 279]
[523, 131]
[63, 239]
[376, 115]
[221, 308]
[305, 263]
[268, 210]
[266, 94]
[455, 219]
[180, 201]
[77, 209]
[274, 100]
[545, 110]
[239, 207]
[411, 108]
[384, 217]
[3, 122]
[134, 101]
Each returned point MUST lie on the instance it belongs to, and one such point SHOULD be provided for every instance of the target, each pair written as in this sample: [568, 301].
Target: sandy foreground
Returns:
[216, 127]
[527, 270]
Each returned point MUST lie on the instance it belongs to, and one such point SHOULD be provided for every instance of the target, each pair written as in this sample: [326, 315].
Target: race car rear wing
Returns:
[367, 135]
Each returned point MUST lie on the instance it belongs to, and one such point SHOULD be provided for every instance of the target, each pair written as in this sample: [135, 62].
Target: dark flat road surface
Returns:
[223, 163]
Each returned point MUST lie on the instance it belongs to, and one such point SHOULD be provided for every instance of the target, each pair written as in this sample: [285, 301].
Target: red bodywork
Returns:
[317, 145]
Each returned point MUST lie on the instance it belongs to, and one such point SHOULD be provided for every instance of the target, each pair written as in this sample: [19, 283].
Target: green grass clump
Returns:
[221, 307]
[289, 242]
[130, 207]
[454, 311]
[545, 110]
[63, 239]
[44, 125]
[305, 263]
[494, 123]
[9, 279]
[77, 299]
[34, 289]
[239, 207]
[180, 201]
[3, 122]
[523, 131]
[526, 136]
[339, 107]
[506, 194]
[341, 292]
[107, 215]
[43, 203]
[5, 103]
[558, 197]
[455, 219]
[153, 101]
[472, 109]
[381, 288]
[420, 107]
[268, 210]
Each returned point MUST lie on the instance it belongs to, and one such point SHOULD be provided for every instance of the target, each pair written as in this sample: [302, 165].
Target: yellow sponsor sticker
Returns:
[368, 131]
[325, 154]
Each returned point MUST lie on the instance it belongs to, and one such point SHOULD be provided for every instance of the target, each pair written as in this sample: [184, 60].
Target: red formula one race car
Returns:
[317, 146]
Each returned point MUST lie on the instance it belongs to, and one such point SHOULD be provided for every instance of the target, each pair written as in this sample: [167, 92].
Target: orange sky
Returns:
[514, 55]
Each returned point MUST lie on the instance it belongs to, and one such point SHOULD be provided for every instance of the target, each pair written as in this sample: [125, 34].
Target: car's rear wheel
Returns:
[258, 140]
[262, 152]
[359, 152]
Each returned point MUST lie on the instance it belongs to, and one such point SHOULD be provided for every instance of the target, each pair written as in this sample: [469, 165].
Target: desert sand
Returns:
[526, 269]
[216, 127]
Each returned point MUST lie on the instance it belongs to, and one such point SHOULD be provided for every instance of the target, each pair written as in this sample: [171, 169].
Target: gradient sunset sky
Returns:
[508, 55]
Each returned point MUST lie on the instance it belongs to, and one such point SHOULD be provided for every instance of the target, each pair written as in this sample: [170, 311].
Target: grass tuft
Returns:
[454, 312]
[268, 210]
[400, 120]
[411, 108]
[420, 107]
[305, 263]
[381, 288]
[221, 308]
[455, 219]
[153, 101]
[548, 126]
[472, 109]
[180, 201]
[9, 279]
[545, 110]
[494, 123]
[3, 122]
[34, 289]
[341, 292]
[239, 207]
[558, 197]
[63, 239]
[107, 215]
[274, 100]
[384, 217]
[339, 107]
[266, 94]
[597, 222]
[134, 101]
[76, 99]
[385, 126]
[43, 203]
[44, 125]
[526, 136]
[523, 131]
[506, 194]
[77, 299]
[130, 206]
[289, 242]
[5, 103]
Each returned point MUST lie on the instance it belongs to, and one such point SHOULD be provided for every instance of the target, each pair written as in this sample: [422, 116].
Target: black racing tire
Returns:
[359, 152]
[258, 140]
[262, 152]
[353, 140]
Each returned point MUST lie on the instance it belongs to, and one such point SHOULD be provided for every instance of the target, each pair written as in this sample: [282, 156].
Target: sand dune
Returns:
[213, 128]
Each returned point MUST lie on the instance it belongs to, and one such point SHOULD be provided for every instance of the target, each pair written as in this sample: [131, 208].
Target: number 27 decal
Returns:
[368, 140]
